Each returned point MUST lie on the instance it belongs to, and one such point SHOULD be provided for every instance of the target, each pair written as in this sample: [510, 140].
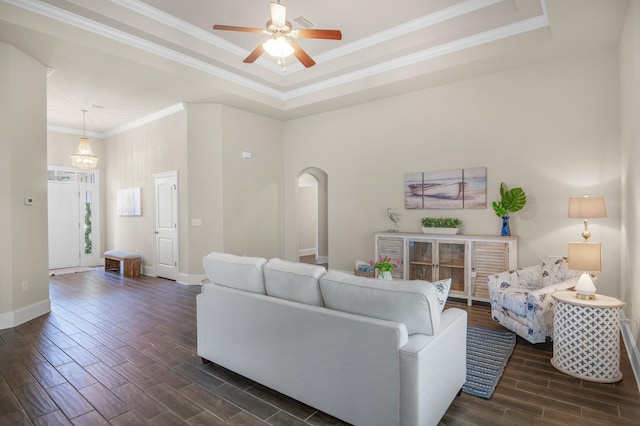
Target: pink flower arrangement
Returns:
[384, 264]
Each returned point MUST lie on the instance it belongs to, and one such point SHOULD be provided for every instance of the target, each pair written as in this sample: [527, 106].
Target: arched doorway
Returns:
[312, 214]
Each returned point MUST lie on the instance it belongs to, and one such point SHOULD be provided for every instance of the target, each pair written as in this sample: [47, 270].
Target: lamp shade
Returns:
[585, 257]
[587, 207]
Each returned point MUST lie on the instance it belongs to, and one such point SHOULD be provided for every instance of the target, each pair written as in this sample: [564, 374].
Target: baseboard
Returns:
[6, 320]
[191, 279]
[632, 347]
[322, 259]
[22, 315]
[306, 252]
[149, 271]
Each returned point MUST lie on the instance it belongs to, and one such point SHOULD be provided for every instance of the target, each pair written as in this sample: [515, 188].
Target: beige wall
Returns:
[130, 161]
[206, 185]
[630, 136]
[551, 128]
[252, 193]
[23, 166]
[237, 201]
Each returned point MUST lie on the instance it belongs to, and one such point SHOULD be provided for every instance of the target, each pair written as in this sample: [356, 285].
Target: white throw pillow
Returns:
[412, 303]
[293, 281]
[442, 291]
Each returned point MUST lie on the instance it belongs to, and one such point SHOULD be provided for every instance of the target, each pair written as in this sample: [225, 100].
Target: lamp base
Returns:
[585, 296]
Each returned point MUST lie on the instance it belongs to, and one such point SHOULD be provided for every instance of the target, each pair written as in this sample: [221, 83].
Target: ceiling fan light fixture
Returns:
[278, 46]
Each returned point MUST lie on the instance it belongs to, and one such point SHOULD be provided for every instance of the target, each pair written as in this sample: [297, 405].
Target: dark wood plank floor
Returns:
[122, 351]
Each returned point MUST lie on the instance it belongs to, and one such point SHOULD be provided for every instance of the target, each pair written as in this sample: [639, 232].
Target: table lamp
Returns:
[587, 208]
[585, 257]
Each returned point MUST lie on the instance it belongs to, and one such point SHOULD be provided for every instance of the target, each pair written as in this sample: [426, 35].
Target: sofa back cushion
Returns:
[239, 272]
[293, 281]
[412, 303]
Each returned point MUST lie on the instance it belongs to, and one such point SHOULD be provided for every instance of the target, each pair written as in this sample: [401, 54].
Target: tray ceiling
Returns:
[125, 60]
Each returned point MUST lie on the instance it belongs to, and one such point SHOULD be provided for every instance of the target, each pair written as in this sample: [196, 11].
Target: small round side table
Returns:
[586, 337]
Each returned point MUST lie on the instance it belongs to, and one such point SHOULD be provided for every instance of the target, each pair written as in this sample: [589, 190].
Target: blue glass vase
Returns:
[505, 227]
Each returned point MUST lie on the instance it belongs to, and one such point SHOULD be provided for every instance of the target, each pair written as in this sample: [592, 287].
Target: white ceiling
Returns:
[125, 60]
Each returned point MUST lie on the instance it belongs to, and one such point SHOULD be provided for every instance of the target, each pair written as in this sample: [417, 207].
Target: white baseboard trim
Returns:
[6, 320]
[22, 315]
[632, 347]
[306, 252]
[322, 259]
[191, 279]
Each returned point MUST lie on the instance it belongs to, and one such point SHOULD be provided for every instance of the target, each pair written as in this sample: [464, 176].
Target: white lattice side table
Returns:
[586, 337]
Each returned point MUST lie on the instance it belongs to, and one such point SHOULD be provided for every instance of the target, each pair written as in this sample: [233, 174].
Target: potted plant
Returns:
[385, 266]
[511, 200]
[440, 225]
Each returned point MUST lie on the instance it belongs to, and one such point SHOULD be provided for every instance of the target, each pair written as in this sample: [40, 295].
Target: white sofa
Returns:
[367, 351]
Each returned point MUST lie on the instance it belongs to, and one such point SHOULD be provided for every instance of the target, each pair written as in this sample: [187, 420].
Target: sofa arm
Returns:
[540, 309]
[429, 360]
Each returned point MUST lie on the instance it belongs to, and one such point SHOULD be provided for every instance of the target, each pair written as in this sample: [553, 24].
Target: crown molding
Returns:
[72, 131]
[468, 6]
[417, 24]
[132, 125]
[86, 24]
[144, 120]
[435, 52]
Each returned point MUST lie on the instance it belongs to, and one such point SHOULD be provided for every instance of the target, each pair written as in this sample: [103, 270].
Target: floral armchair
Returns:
[521, 299]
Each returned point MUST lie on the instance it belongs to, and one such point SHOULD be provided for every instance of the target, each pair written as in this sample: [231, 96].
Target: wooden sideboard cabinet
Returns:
[467, 259]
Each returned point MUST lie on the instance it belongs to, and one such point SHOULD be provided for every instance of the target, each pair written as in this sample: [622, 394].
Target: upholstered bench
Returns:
[131, 261]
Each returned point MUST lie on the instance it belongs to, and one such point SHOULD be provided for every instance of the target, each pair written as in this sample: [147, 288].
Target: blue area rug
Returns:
[487, 354]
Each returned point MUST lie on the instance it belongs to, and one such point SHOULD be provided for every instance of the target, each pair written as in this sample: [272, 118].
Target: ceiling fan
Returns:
[280, 43]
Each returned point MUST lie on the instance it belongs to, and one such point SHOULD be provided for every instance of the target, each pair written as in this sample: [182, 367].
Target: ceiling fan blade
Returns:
[278, 14]
[301, 55]
[323, 34]
[254, 55]
[243, 29]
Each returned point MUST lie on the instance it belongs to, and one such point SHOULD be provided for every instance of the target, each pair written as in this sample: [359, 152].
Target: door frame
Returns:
[95, 258]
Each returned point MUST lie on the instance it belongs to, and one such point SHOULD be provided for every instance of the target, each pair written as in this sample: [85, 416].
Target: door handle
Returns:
[156, 232]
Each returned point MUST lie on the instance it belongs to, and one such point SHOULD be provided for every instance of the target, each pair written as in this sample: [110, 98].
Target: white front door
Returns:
[64, 225]
[166, 216]
[74, 217]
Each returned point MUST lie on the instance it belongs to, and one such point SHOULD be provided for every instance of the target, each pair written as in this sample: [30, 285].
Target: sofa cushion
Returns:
[293, 281]
[239, 272]
[442, 291]
[413, 303]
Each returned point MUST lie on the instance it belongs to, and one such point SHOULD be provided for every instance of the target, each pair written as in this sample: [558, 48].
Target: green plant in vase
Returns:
[511, 201]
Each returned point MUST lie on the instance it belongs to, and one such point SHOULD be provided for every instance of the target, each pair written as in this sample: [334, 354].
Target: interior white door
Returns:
[166, 216]
[64, 226]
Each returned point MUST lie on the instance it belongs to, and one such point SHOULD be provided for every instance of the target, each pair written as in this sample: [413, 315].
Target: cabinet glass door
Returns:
[451, 257]
[421, 265]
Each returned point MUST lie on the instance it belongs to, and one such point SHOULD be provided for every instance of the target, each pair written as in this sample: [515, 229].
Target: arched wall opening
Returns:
[312, 214]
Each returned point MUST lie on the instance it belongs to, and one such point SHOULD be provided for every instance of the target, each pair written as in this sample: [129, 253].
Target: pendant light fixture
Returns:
[84, 158]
